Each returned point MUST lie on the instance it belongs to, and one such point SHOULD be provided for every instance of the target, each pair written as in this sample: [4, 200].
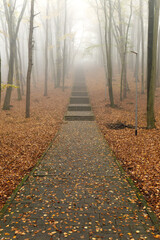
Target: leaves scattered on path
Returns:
[139, 155]
[22, 141]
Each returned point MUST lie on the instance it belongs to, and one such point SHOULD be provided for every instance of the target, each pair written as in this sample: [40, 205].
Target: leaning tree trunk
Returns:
[30, 53]
[154, 6]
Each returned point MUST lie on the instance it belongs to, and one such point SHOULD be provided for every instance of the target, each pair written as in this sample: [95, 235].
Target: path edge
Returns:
[139, 195]
[25, 178]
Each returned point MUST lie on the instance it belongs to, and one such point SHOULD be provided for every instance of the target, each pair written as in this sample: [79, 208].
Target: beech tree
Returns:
[143, 48]
[153, 22]
[101, 33]
[46, 52]
[121, 34]
[158, 62]
[13, 28]
[65, 41]
[30, 54]
[4, 27]
[58, 45]
[108, 46]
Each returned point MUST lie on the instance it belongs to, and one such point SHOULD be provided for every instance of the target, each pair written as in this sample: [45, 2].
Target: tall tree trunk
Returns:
[154, 6]
[4, 26]
[20, 68]
[142, 32]
[121, 46]
[158, 63]
[108, 44]
[13, 28]
[46, 53]
[17, 73]
[51, 56]
[30, 53]
[102, 48]
[6, 104]
[34, 77]
[58, 47]
[36, 64]
[53, 73]
[136, 73]
[124, 62]
[64, 47]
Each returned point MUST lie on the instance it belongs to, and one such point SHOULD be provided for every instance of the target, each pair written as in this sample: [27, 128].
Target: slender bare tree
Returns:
[13, 28]
[30, 54]
[108, 45]
[65, 43]
[46, 52]
[142, 33]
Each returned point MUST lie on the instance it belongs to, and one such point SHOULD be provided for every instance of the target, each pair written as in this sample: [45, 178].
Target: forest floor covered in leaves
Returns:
[23, 141]
[139, 155]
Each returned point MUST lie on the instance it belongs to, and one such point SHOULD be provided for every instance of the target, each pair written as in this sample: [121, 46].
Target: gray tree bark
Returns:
[142, 32]
[154, 6]
[13, 29]
[65, 47]
[30, 53]
[108, 44]
[46, 52]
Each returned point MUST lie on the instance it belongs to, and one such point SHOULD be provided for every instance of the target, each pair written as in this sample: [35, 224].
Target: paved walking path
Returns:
[77, 192]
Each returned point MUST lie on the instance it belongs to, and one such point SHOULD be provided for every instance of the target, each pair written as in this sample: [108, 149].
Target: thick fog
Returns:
[78, 23]
[82, 29]
[84, 35]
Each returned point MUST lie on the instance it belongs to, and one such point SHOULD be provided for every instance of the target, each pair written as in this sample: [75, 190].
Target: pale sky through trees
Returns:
[81, 18]
[79, 14]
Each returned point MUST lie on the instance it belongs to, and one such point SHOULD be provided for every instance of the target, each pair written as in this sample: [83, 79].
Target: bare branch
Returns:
[20, 17]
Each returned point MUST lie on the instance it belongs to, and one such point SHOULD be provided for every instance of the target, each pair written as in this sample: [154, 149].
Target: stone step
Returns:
[78, 94]
[79, 89]
[79, 100]
[79, 107]
[79, 116]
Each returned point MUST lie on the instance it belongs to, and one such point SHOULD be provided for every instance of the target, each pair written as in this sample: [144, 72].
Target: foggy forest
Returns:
[84, 62]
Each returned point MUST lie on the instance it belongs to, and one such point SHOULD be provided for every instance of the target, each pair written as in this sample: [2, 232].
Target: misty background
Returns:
[82, 33]
[41, 41]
